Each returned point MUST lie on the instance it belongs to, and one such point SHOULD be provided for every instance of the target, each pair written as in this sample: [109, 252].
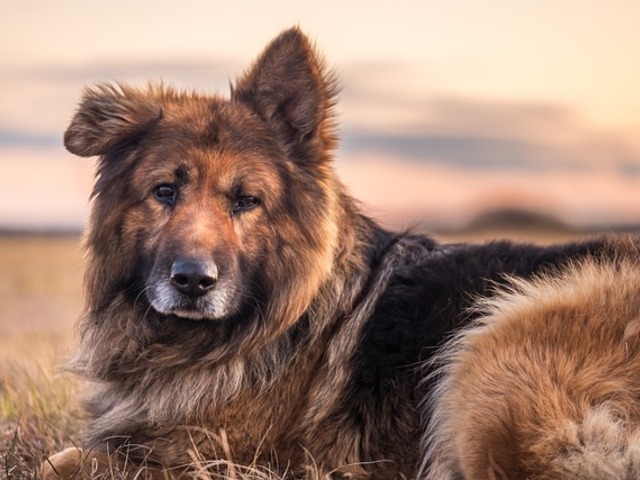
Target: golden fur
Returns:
[239, 306]
[546, 384]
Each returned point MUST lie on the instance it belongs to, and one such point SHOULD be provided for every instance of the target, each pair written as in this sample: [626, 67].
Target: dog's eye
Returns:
[165, 193]
[245, 203]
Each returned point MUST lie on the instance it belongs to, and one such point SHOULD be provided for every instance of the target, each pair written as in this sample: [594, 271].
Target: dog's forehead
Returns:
[216, 122]
[212, 141]
[225, 171]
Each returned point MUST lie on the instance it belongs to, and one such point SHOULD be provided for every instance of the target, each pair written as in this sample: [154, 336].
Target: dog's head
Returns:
[207, 207]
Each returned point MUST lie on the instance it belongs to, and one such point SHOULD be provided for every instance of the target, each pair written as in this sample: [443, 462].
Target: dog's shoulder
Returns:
[432, 288]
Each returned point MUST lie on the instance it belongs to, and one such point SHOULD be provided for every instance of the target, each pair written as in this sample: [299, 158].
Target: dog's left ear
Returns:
[291, 91]
[108, 116]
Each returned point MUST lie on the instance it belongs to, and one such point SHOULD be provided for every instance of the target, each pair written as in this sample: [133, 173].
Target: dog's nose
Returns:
[193, 277]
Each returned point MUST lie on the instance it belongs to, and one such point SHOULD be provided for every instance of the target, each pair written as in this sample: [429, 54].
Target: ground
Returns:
[40, 301]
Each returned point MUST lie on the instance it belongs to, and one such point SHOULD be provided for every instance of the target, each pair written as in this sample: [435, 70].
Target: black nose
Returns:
[193, 277]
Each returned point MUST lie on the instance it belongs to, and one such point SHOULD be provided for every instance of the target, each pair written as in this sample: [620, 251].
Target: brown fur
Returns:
[546, 384]
[242, 378]
[239, 307]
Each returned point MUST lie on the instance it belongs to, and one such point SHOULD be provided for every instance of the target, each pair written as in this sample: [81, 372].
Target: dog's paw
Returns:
[66, 465]
[77, 464]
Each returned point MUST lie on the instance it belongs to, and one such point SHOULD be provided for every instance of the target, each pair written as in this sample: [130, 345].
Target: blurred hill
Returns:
[502, 222]
[517, 219]
[525, 224]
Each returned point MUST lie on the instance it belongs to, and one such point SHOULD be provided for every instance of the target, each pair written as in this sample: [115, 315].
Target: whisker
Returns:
[145, 289]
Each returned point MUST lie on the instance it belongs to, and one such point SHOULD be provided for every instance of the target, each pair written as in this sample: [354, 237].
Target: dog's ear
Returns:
[107, 117]
[290, 89]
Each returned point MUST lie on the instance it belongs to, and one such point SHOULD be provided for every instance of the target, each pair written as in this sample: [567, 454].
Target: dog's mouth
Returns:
[190, 314]
[192, 288]
[216, 304]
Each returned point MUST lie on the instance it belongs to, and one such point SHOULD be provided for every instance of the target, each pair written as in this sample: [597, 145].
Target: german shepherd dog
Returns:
[242, 311]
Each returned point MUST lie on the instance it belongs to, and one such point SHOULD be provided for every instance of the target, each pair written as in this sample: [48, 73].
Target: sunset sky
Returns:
[448, 108]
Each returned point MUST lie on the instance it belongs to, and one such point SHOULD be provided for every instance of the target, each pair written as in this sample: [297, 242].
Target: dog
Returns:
[241, 312]
[545, 383]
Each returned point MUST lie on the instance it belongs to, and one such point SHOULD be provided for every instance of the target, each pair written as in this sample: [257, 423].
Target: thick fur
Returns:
[545, 385]
[304, 345]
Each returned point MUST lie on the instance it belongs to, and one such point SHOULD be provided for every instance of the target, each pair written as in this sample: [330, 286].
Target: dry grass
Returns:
[40, 300]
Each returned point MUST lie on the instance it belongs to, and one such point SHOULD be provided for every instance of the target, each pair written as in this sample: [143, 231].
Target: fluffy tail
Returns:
[546, 385]
[601, 447]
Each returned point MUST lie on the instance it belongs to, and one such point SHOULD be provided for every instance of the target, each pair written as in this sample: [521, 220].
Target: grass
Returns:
[40, 300]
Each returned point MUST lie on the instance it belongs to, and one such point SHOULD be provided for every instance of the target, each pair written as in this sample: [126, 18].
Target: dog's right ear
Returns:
[107, 117]
[289, 88]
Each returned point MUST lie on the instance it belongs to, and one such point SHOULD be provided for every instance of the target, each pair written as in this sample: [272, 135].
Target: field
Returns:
[40, 301]
[40, 298]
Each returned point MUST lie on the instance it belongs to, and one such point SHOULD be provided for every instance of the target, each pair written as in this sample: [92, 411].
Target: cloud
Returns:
[208, 74]
[480, 133]
[382, 111]
[496, 153]
[9, 138]
[38, 102]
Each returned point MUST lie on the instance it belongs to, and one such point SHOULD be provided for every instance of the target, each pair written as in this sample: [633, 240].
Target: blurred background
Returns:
[468, 119]
[451, 111]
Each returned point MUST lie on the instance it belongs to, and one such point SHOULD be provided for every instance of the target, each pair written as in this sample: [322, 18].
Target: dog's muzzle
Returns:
[193, 278]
